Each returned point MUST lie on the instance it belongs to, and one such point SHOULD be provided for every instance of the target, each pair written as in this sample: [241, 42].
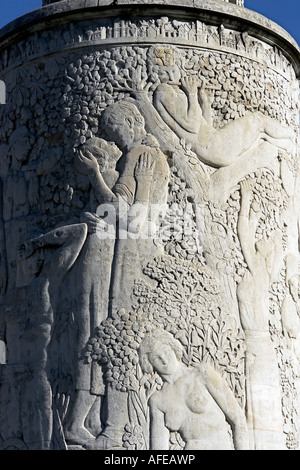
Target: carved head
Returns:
[123, 123]
[20, 144]
[165, 66]
[106, 153]
[160, 352]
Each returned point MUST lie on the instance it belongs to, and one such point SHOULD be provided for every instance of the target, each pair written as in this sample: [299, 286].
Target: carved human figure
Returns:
[290, 309]
[19, 189]
[143, 184]
[264, 259]
[26, 396]
[184, 104]
[194, 401]
[97, 159]
[143, 181]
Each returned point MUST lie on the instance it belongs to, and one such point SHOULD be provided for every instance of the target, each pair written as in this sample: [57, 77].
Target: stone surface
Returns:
[149, 228]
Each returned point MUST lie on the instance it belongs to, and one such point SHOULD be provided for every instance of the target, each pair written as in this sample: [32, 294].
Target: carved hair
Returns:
[104, 151]
[116, 113]
[147, 346]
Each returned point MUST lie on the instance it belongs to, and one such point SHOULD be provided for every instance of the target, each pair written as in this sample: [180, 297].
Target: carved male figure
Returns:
[264, 260]
[26, 395]
[184, 104]
[143, 181]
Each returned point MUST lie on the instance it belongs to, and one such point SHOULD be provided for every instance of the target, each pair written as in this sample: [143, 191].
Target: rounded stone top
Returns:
[230, 13]
[235, 2]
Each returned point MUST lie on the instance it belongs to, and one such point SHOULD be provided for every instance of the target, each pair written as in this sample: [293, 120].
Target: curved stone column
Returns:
[149, 228]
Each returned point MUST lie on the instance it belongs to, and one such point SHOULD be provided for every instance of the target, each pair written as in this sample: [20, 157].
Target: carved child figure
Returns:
[97, 159]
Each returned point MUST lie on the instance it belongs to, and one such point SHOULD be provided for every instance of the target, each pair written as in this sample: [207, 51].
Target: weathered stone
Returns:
[149, 264]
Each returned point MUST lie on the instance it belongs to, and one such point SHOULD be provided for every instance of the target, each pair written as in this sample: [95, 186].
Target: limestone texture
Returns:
[149, 227]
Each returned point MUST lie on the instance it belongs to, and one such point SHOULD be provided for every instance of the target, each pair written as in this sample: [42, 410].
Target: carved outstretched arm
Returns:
[88, 164]
[225, 399]
[174, 115]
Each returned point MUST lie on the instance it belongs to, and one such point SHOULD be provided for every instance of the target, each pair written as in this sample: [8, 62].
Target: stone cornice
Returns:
[217, 11]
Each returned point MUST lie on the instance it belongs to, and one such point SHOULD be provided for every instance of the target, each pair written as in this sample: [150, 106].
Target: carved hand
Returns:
[206, 96]
[190, 84]
[93, 222]
[144, 168]
[247, 187]
[86, 163]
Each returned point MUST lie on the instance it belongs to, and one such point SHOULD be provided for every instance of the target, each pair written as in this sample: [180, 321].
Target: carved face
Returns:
[128, 131]
[122, 134]
[171, 75]
[163, 358]
[21, 149]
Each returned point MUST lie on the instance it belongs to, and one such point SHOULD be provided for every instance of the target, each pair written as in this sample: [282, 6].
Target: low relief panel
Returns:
[144, 31]
[149, 189]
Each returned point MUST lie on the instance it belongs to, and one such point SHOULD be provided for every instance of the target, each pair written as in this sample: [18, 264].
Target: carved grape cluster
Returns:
[115, 346]
[180, 235]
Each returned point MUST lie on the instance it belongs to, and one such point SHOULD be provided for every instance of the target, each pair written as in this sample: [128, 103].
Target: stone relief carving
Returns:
[164, 29]
[189, 396]
[26, 393]
[158, 189]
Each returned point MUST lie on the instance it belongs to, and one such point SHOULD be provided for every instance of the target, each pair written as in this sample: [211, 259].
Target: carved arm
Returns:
[224, 397]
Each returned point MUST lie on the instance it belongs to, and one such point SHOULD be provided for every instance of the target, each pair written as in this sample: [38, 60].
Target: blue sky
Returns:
[284, 12]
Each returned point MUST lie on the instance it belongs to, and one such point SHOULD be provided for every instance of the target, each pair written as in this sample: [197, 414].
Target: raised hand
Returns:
[190, 84]
[206, 95]
[247, 186]
[86, 162]
[144, 167]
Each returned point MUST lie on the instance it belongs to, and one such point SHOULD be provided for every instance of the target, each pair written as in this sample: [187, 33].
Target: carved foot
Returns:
[80, 436]
[103, 442]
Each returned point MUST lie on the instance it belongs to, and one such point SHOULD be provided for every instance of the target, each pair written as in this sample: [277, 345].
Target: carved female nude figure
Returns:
[193, 401]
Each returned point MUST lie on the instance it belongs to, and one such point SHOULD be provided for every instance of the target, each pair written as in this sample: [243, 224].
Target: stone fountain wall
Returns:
[149, 228]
